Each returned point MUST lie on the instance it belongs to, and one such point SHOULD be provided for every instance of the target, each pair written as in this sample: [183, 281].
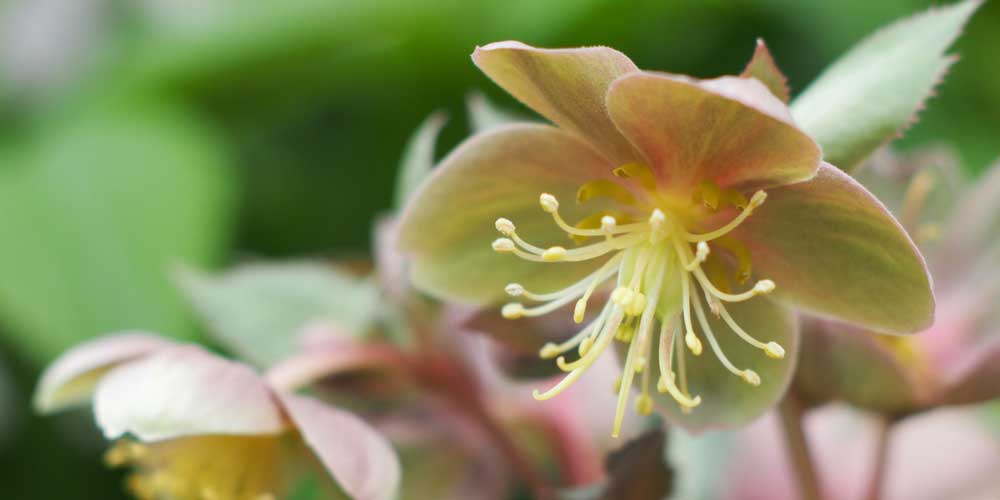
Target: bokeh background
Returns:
[139, 134]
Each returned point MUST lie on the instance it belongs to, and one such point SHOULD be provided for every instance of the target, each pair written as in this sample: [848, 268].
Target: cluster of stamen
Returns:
[208, 467]
[643, 255]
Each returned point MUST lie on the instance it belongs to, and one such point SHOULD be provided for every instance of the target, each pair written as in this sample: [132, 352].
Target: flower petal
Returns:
[729, 130]
[726, 399]
[842, 362]
[566, 86]
[974, 379]
[184, 391]
[449, 223]
[359, 458]
[833, 249]
[763, 68]
[418, 158]
[71, 379]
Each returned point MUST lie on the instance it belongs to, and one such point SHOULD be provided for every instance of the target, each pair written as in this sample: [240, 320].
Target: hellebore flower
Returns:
[922, 461]
[957, 359]
[698, 197]
[194, 425]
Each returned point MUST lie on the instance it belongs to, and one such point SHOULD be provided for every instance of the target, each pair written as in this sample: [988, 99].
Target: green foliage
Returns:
[874, 91]
[257, 310]
[93, 211]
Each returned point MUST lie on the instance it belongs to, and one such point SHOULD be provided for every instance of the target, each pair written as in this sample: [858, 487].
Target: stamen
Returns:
[505, 226]
[548, 202]
[503, 245]
[551, 350]
[514, 289]
[513, 310]
[747, 375]
[554, 254]
[603, 339]
[772, 349]
[666, 382]
[608, 224]
[689, 337]
[756, 201]
[700, 255]
[587, 285]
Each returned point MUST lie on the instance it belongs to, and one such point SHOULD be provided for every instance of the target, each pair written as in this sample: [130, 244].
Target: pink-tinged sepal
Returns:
[450, 221]
[763, 68]
[833, 249]
[566, 86]
[728, 130]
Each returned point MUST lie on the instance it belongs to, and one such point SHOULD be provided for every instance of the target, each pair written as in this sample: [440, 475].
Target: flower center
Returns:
[208, 467]
[663, 270]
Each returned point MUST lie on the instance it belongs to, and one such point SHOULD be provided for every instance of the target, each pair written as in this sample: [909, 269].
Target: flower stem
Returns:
[791, 411]
[877, 481]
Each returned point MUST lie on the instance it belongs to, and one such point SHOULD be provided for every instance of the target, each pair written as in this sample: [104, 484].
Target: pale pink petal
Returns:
[566, 86]
[184, 391]
[71, 378]
[729, 130]
[359, 458]
[973, 379]
[332, 358]
[389, 260]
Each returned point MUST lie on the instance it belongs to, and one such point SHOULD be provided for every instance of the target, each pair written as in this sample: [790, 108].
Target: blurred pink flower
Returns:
[192, 424]
[940, 455]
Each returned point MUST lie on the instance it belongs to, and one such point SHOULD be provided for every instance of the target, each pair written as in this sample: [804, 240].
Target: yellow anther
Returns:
[691, 340]
[505, 226]
[512, 310]
[750, 377]
[514, 289]
[714, 306]
[624, 333]
[644, 405]
[640, 364]
[638, 172]
[657, 219]
[620, 295]
[579, 310]
[757, 199]
[549, 351]
[774, 350]
[503, 245]
[548, 202]
[585, 346]
[636, 305]
[604, 187]
[763, 287]
[554, 254]
[608, 224]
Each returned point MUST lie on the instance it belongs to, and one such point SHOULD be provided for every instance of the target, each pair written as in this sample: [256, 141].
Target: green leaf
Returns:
[94, 209]
[873, 92]
[418, 157]
[257, 309]
[484, 115]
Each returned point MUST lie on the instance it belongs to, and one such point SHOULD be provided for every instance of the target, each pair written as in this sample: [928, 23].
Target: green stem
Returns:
[876, 484]
[791, 411]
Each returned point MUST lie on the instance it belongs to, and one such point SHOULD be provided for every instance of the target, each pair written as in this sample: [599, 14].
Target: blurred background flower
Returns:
[135, 136]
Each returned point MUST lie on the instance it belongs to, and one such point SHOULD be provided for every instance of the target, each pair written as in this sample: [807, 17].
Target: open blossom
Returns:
[193, 425]
[955, 360]
[696, 206]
